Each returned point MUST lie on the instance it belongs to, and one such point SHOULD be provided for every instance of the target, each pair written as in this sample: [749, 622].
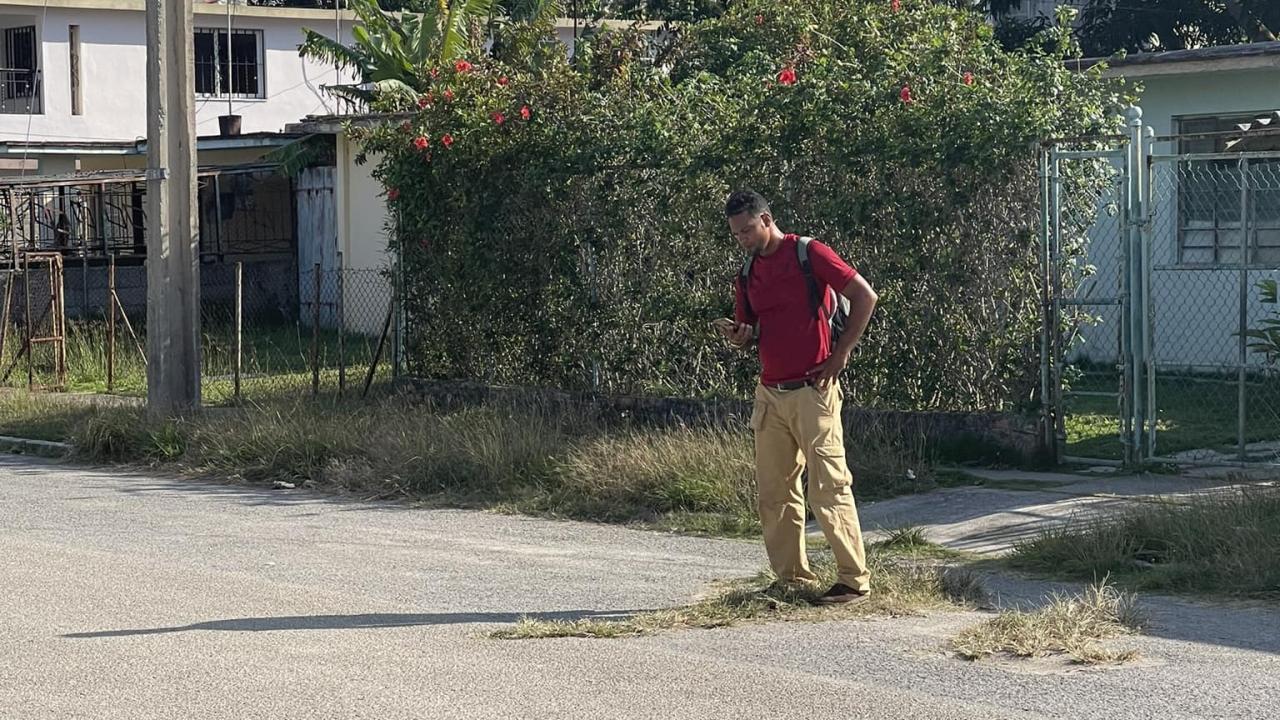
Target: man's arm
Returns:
[744, 332]
[862, 302]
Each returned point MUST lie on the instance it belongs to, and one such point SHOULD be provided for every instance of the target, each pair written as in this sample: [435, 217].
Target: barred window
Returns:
[236, 71]
[1211, 197]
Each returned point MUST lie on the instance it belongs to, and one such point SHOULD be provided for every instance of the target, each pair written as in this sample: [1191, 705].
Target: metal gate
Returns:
[1161, 258]
[1089, 197]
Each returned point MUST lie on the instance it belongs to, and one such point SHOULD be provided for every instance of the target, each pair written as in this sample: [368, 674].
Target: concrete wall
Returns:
[113, 73]
[361, 212]
[1196, 312]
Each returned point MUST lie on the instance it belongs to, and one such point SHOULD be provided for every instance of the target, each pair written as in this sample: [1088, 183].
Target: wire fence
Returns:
[1163, 334]
[1215, 250]
[268, 329]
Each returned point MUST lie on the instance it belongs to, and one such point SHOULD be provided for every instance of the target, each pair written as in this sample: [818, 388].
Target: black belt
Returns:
[794, 385]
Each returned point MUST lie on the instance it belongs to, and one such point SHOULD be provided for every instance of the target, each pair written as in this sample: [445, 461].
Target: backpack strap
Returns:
[815, 293]
[744, 281]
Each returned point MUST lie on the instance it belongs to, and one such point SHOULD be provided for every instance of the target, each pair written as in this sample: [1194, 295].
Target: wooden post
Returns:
[342, 335]
[26, 287]
[111, 323]
[377, 353]
[315, 333]
[4, 315]
[60, 316]
[238, 361]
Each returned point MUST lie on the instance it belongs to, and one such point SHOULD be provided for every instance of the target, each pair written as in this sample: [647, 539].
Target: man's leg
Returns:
[778, 468]
[830, 482]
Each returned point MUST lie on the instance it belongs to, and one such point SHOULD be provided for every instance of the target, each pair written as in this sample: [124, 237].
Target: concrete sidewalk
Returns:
[1015, 505]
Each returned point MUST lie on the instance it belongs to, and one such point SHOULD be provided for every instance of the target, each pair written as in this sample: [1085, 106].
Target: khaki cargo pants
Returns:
[795, 429]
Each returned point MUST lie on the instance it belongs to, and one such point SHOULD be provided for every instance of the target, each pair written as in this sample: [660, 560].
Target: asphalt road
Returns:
[129, 596]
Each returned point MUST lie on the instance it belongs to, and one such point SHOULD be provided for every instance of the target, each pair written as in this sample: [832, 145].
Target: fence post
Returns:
[1056, 352]
[10, 275]
[1242, 407]
[315, 333]
[342, 324]
[111, 323]
[1135, 322]
[26, 288]
[1048, 321]
[237, 362]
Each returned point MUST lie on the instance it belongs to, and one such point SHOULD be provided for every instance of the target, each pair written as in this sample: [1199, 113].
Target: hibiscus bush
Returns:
[560, 221]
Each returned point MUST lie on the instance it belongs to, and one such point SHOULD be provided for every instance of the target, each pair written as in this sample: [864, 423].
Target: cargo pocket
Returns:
[830, 470]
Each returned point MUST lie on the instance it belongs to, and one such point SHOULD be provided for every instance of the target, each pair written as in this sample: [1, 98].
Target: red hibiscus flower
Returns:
[759, 20]
[968, 78]
[895, 5]
[421, 142]
[462, 66]
[525, 112]
[448, 95]
[435, 72]
[447, 140]
[499, 118]
[424, 101]
[905, 94]
[503, 81]
[787, 77]
[393, 194]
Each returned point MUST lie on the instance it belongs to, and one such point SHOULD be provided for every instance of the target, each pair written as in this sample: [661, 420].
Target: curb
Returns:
[41, 448]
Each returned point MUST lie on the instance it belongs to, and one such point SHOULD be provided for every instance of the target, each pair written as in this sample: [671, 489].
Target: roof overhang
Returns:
[211, 143]
[1226, 58]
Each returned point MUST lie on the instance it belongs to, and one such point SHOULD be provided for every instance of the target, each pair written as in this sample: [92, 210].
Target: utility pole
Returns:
[173, 272]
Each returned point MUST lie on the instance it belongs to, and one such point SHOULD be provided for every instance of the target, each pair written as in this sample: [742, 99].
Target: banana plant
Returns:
[392, 53]
[1265, 339]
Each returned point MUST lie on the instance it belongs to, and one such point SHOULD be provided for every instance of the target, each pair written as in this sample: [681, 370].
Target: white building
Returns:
[73, 80]
[1206, 102]
[1042, 9]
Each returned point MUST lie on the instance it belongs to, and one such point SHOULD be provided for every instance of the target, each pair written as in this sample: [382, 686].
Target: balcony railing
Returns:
[20, 92]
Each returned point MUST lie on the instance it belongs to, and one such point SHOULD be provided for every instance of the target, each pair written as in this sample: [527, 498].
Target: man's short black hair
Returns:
[748, 201]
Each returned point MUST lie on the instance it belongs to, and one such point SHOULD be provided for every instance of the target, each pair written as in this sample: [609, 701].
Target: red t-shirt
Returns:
[792, 340]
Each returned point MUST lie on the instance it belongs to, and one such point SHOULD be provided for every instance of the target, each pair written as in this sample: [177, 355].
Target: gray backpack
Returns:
[841, 303]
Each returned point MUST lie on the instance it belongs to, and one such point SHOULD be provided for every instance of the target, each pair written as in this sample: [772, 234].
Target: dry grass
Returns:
[1066, 624]
[903, 582]
[544, 461]
[1220, 543]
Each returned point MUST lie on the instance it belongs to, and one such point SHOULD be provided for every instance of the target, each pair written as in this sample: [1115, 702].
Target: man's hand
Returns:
[827, 371]
[738, 334]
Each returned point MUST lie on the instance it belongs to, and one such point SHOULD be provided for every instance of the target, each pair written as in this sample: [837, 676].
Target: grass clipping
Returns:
[908, 576]
[1067, 624]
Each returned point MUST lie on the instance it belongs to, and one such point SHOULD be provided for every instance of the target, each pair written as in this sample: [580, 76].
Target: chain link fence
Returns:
[1215, 251]
[268, 329]
[1163, 310]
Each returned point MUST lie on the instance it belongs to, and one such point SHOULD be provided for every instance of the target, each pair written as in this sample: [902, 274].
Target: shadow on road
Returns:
[359, 622]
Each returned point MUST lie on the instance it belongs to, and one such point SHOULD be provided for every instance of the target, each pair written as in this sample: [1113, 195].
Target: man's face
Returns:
[751, 231]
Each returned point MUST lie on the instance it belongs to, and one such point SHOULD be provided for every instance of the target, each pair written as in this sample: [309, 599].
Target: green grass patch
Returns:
[275, 359]
[1223, 543]
[904, 581]
[1193, 412]
[1067, 624]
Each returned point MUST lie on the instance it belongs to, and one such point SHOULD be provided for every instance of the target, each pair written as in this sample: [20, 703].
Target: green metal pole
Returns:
[1047, 319]
[1241, 406]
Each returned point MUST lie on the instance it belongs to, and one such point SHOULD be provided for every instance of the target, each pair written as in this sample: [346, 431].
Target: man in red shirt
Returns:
[796, 417]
